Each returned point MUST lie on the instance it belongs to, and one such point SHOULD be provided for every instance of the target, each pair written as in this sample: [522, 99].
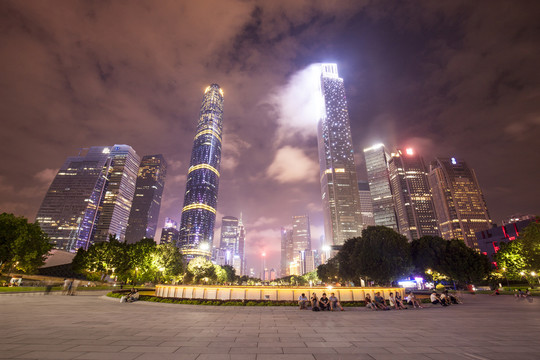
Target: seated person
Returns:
[314, 301]
[445, 300]
[411, 299]
[399, 302]
[334, 302]
[302, 301]
[324, 303]
[379, 301]
[133, 295]
[434, 297]
[394, 303]
[369, 303]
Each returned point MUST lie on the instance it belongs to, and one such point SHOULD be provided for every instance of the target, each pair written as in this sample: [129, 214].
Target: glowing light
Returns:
[409, 151]
[207, 89]
[533, 273]
[204, 246]
[199, 206]
[204, 132]
[263, 254]
[326, 248]
[341, 170]
[221, 92]
[454, 162]
[374, 147]
[203, 166]
[106, 151]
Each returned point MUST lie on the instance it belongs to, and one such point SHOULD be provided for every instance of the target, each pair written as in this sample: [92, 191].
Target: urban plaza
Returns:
[361, 185]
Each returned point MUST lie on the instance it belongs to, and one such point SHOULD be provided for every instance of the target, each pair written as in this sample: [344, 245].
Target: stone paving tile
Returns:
[108, 356]
[413, 350]
[227, 357]
[175, 356]
[282, 344]
[98, 348]
[355, 350]
[400, 357]
[11, 354]
[151, 349]
[185, 343]
[319, 350]
[255, 350]
[201, 350]
[222, 344]
[55, 355]
[285, 357]
[328, 344]
[44, 347]
[343, 357]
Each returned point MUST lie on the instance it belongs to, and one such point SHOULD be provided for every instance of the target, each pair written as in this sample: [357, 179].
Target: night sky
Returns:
[449, 78]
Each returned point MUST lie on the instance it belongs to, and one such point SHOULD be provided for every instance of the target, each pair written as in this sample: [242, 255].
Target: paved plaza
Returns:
[96, 327]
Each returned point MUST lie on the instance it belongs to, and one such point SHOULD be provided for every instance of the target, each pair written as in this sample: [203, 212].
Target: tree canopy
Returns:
[23, 245]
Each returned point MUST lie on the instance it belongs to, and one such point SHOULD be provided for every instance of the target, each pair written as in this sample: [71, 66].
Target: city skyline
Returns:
[426, 76]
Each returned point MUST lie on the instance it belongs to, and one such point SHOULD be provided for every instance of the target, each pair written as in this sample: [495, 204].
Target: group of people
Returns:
[131, 297]
[69, 288]
[324, 303]
[394, 301]
[444, 298]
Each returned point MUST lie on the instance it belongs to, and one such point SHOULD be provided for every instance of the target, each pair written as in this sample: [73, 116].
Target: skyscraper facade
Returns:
[169, 232]
[200, 199]
[72, 205]
[339, 183]
[229, 243]
[119, 195]
[459, 203]
[286, 251]
[379, 185]
[412, 195]
[301, 242]
[242, 246]
[144, 212]
[366, 204]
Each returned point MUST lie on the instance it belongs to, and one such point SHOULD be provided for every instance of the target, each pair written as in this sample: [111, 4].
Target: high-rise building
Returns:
[169, 232]
[301, 240]
[200, 199]
[144, 212]
[286, 252]
[229, 244]
[459, 203]
[339, 183]
[72, 205]
[366, 204]
[119, 195]
[242, 246]
[412, 195]
[379, 186]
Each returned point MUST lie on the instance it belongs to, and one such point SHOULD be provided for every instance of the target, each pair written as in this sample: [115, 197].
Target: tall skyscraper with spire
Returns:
[200, 199]
[144, 213]
[459, 203]
[384, 213]
[339, 181]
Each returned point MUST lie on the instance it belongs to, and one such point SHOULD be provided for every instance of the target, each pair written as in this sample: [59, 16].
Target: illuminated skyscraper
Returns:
[200, 200]
[286, 252]
[379, 185]
[169, 232]
[339, 183]
[71, 207]
[412, 195]
[122, 177]
[242, 246]
[229, 244]
[366, 204]
[459, 203]
[144, 213]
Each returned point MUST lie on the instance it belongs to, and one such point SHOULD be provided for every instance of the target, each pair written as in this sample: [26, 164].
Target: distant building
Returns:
[518, 217]
[366, 204]
[384, 213]
[242, 246]
[286, 251]
[339, 181]
[412, 195]
[459, 203]
[229, 238]
[118, 198]
[200, 199]
[90, 197]
[489, 241]
[144, 212]
[169, 232]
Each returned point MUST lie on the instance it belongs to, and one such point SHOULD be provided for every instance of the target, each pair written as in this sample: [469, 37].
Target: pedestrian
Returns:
[302, 301]
[334, 302]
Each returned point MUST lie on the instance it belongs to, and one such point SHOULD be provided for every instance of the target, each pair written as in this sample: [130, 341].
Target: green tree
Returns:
[203, 270]
[464, 264]
[103, 258]
[231, 273]
[348, 262]
[329, 272]
[169, 258]
[530, 238]
[382, 255]
[427, 252]
[23, 245]
[511, 260]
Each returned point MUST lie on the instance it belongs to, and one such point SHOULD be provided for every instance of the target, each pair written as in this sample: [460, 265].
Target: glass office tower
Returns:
[144, 213]
[459, 203]
[72, 205]
[200, 200]
[119, 195]
[230, 242]
[379, 185]
[339, 184]
[412, 195]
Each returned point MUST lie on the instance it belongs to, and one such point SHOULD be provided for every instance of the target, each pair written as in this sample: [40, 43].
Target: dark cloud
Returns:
[450, 78]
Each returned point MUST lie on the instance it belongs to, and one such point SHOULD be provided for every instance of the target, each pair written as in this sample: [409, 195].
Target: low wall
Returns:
[272, 293]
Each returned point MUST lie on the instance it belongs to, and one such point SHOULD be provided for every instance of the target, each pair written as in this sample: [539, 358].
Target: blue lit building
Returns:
[200, 199]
